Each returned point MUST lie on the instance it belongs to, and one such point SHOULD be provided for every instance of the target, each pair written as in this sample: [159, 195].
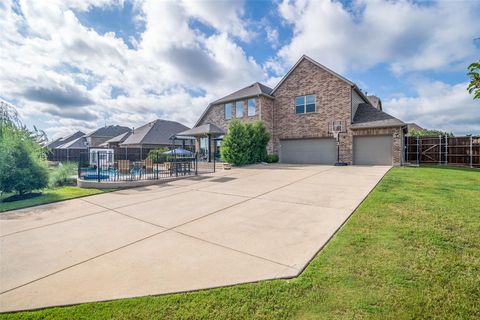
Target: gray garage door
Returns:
[316, 151]
[372, 150]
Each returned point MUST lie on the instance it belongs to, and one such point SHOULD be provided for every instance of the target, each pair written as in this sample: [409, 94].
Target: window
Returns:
[305, 104]
[228, 111]
[239, 109]
[251, 107]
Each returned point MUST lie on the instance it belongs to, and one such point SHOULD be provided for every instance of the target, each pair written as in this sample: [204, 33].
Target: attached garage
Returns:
[308, 151]
[373, 150]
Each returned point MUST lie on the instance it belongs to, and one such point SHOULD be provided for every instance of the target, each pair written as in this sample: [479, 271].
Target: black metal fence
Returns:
[103, 166]
[443, 150]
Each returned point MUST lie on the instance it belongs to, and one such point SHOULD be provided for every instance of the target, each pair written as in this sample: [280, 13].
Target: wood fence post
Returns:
[439, 149]
[471, 152]
[418, 159]
[446, 150]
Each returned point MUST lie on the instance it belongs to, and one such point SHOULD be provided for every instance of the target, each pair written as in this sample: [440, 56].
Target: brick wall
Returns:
[216, 113]
[333, 102]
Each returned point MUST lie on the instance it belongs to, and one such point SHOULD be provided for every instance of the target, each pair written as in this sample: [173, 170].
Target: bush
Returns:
[22, 161]
[245, 143]
[62, 175]
[156, 154]
[272, 158]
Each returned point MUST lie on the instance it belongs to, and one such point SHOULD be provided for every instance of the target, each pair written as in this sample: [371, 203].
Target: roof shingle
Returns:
[250, 91]
[157, 132]
[368, 116]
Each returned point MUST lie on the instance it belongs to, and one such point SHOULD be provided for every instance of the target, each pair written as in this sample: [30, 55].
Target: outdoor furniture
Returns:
[124, 166]
[147, 164]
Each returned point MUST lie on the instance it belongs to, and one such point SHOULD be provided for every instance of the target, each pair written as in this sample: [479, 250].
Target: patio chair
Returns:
[148, 165]
[124, 166]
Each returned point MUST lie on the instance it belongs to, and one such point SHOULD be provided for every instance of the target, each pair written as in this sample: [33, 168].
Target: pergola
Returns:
[209, 131]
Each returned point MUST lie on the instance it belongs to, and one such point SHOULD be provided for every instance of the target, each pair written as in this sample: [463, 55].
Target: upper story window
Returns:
[239, 109]
[305, 104]
[228, 111]
[251, 107]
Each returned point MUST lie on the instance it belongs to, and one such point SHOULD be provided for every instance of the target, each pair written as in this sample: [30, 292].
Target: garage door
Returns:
[316, 151]
[373, 150]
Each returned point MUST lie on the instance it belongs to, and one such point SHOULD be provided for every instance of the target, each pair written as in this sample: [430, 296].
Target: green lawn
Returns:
[410, 251]
[49, 195]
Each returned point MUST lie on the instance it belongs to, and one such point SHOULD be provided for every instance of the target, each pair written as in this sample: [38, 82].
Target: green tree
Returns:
[22, 163]
[245, 143]
[234, 145]
[156, 154]
[427, 132]
[474, 74]
[22, 157]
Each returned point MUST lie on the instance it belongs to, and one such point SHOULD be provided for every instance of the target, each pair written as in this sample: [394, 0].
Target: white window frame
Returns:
[305, 103]
[225, 111]
[236, 108]
[254, 107]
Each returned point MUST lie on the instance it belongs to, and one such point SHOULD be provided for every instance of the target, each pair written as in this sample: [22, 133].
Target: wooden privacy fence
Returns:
[443, 150]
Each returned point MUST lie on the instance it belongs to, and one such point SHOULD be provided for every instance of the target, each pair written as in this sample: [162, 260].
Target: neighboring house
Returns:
[61, 141]
[299, 113]
[115, 141]
[95, 138]
[153, 135]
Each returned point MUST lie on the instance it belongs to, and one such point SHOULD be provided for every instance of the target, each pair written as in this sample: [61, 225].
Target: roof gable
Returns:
[108, 131]
[155, 132]
[252, 90]
[304, 57]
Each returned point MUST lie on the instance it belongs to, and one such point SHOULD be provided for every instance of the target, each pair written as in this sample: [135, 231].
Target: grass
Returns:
[411, 250]
[48, 196]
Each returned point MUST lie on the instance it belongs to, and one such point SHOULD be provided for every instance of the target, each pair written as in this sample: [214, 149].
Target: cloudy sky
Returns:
[78, 64]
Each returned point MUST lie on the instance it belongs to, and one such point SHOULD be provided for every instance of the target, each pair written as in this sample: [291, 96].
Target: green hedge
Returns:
[245, 143]
[22, 161]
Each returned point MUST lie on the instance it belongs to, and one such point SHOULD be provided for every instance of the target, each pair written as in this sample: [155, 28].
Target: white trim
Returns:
[315, 63]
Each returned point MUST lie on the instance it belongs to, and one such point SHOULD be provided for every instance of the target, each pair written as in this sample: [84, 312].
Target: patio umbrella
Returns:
[179, 151]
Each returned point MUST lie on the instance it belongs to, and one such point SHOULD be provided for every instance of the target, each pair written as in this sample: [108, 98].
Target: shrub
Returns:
[245, 143]
[156, 154]
[272, 158]
[62, 175]
[22, 162]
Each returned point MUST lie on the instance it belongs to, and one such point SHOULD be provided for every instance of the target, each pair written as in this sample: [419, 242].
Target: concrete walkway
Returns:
[237, 226]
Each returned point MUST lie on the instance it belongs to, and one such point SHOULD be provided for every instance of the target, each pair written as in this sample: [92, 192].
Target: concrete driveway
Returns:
[242, 225]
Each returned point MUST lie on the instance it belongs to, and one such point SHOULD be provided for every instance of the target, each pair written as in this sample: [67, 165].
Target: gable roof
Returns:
[79, 143]
[61, 141]
[305, 57]
[120, 138]
[207, 128]
[108, 131]
[155, 132]
[253, 90]
[368, 116]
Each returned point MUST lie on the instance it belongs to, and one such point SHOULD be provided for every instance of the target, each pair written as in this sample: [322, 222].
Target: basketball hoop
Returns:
[335, 128]
[335, 134]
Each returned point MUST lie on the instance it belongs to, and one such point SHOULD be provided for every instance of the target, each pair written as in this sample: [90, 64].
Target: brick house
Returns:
[299, 113]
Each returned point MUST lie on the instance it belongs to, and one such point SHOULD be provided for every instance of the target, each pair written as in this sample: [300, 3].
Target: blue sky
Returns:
[78, 64]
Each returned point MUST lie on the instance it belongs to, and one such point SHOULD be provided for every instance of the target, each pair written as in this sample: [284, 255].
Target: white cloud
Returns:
[438, 106]
[61, 74]
[404, 35]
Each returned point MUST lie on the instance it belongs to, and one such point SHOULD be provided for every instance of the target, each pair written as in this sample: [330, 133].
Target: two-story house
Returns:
[300, 111]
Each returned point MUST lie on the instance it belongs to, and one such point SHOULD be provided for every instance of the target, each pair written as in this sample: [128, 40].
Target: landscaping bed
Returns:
[411, 250]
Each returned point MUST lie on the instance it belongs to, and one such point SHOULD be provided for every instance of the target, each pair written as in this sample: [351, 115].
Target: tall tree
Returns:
[474, 74]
